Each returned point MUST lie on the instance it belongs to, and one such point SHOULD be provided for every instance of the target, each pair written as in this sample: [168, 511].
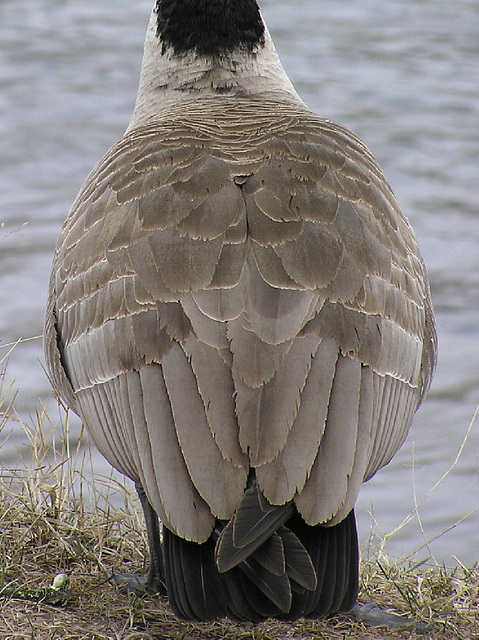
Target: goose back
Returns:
[236, 291]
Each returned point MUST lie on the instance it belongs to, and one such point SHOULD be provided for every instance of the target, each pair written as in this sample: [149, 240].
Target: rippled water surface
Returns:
[401, 74]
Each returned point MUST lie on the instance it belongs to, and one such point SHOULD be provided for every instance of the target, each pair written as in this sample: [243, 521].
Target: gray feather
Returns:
[218, 481]
[157, 269]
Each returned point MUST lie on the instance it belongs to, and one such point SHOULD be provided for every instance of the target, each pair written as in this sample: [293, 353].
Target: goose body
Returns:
[240, 314]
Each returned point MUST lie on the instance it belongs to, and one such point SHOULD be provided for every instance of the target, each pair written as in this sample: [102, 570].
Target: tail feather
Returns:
[334, 555]
[298, 561]
[323, 600]
[175, 584]
[239, 607]
[276, 588]
[351, 587]
[341, 572]
[251, 525]
[295, 570]
[256, 597]
[194, 586]
[271, 555]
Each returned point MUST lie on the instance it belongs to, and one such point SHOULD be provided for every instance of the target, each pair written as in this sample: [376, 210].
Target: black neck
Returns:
[209, 27]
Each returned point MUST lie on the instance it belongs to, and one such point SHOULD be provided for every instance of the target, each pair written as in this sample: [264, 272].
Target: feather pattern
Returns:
[240, 313]
[325, 490]
[135, 283]
[285, 476]
[266, 413]
[219, 482]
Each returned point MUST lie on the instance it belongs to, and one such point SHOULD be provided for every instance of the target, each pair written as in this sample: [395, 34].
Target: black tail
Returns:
[266, 562]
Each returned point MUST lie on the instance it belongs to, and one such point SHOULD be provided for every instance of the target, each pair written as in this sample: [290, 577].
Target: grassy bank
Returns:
[56, 517]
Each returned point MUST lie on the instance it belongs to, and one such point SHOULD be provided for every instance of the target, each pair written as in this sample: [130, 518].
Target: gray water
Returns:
[402, 74]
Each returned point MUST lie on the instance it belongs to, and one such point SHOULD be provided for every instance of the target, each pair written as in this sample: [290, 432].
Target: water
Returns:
[401, 74]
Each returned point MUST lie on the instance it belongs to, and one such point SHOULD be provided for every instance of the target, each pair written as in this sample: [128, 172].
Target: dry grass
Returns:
[55, 518]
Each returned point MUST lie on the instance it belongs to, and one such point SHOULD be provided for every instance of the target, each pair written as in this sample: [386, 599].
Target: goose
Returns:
[240, 314]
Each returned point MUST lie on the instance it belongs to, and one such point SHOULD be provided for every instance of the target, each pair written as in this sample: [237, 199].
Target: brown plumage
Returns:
[240, 314]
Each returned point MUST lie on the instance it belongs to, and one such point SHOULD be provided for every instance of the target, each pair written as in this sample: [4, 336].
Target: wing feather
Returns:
[218, 481]
[271, 268]
[209, 331]
[216, 388]
[275, 314]
[325, 490]
[254, 362]
[224, 304]
[185, 263]
[284, 477]
[397, 402]
[266, 414]
[363, 440]
[213, 216]
[100, 422]
[267, 231]
[303, 262]
[180, 498]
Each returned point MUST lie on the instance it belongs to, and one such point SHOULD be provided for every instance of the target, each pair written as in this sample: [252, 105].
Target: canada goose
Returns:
[240, 314]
